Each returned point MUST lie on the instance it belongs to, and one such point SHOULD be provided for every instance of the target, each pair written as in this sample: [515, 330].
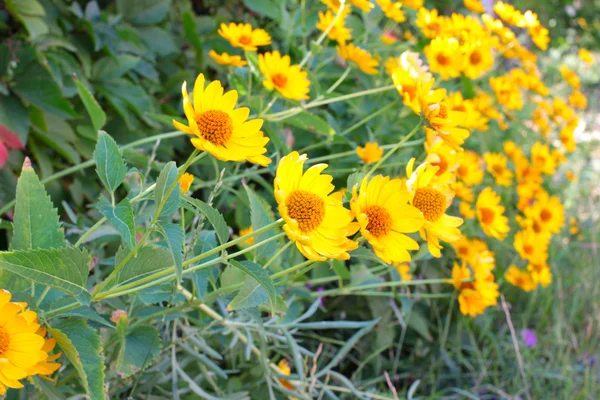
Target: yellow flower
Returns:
[570, 76]
[442, 120]
[23, 352]
[382, 210]
[430, 23]
[478, 58]
[578, 100]
[540, 273]
[507, 93]
[432, 200]
[586, 56]
[547, 213]
[388, 37]
[491, 214]
[496, 166]
[462, 191]
[404, 271]
[226, 59]
[541, 159]
[520, 279]
[406, 71]
[445, 57]
[47, 366]
[475, 295]
[244, 36]
[315, 218]
[539, 36]
[363, 60]
[466, 210]
[334, 5]
[185, 182]
[466, 249]
[574, 226]
[338, 31]
[289, 80]
[532, 246]
[370, 153]
[364, 5]
[244, 232]
[285, 369]
[566, 135]
[469, 168]
[570, 175]
[392, 10]
[474, 5]
[220, 129]
[444, 157]
[414, 4]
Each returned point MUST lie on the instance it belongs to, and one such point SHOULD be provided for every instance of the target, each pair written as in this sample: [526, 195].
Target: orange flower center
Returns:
[380, 221]
[443, 59]
[546, 215]
[462, 171]
[4, 341]
[499, 169]
[443, 112]
[279, 80]
[463, 250]
[487, 215]
[431, 202]
[475, 58]
[528, 249]
[306, 208]
[442, 164]
[411, 90]
[460, 107]
[215, 126]
[245, 39]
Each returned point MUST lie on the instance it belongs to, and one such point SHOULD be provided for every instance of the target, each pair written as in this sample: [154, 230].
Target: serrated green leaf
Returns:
[251, 295]
[310, 122]
[214, 217]
[109, 68]
[121, 217]
[149, 259]
[66, 268]
[96, 113]
[14, 117]
[36, 224]
[81, 344]
[109, 163]
[140, 350]
[260, 216]
[166, 180]
[174, 235]
[258, 273]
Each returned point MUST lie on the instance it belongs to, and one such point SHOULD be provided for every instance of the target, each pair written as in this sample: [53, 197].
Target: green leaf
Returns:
[35, 85]
[109, 68]
[139, 350]
[269, 8]
[258, 273]
[310, 122]
[81, 344]
[340, 269]
[166, 180]
[190, 30]
[91, 105]
[36, 224]
[158, 40]
[109, 163]
[175, 236]
[260, 216]
[14, 117]
[29, 12]
[467, 83]
[149, 259]
[144, 12]
[66, 268]
[214, 217]
[121, 217]
[251, 295]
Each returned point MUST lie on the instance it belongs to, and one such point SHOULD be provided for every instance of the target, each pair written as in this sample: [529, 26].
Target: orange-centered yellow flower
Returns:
[244, 36]
[491, 214]
[226, 59]
[363, 60]
[382, 210]
[185, 182]
[370, 153]
[519, 278]
[338, 32]
[315, 218]
[289, 80]
[496, 166]
[219, 128]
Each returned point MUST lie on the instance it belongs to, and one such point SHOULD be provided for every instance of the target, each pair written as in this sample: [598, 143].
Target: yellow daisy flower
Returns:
[573, 226]
[586, 56]
[289, 80]
[185, 182]
[244, 36]
[430, 23]
[491, 214]
[244, 232]
[414, 4]
[48, 366]
[578, 100]
[496, 166]
[540, 274]
[474, 5]
[382, 210]
[462, 191]
[547, 213]
[338, 32]
[541, 159]
[532, 246]
[432, 199]
[226, 59]
[363, 60]
[371, 153]
[466, 249]
[220, 129]
[392, 10]
[475, 295]
[404, 271]
[469, 168]
[466, 210]
[285, 369]
[570, 175]
[570, 76]
[445, 57]
[363, 5]
[22, 349]
[478, 58]
[388, 37]
[507, 93]
[520, 279]
[315, 218]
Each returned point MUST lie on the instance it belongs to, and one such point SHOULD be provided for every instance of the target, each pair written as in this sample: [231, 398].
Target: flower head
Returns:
[586, 56]
[219, 128]
[445, 57]
[496, 166]
[520, 279]
[244, 36]
[315, 218]
[185, 182]
[529, 337]
[404, 271]
[370, 153]
[338, 32]
[474, 5]
[392, 10]
[289, 80]
[226, 59]
[244, 232]
[382, 210]
[363, 60]
[491, 214]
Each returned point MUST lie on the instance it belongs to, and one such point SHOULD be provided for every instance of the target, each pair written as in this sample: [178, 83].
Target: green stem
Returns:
[43, 295]
[62, 309]
[350, 289]
[339, 81]
[395, 148]
[91, 163]
[277, 254]
[368, 118]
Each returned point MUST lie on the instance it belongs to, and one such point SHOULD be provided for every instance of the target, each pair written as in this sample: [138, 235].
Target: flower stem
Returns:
[339, 81]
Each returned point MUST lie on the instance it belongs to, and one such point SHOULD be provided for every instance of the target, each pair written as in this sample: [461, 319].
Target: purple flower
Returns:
[322, 299]
[529, 337]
